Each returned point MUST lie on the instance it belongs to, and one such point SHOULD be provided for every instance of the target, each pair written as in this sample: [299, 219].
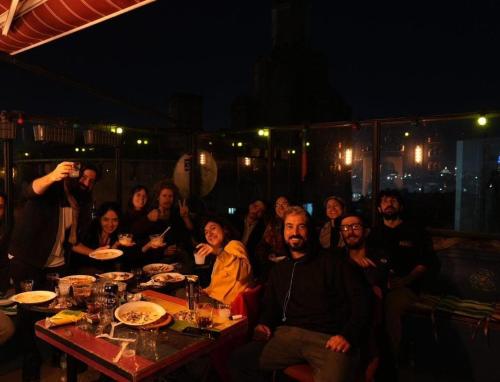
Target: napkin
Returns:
[64, 317]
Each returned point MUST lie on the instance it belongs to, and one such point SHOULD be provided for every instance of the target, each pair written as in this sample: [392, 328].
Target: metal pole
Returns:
[270, 165]
[9, 184]
[375, 169]
[118, 174]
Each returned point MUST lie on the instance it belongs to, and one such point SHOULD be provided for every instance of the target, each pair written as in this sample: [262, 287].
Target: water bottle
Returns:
[192, 290]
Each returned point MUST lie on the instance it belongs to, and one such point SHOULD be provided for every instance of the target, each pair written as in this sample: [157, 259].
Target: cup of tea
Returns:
[156, 240]
[199, 259]
[204, 315]
[75, 171]
[125, 239]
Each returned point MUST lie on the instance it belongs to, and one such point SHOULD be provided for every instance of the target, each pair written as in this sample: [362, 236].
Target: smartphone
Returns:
[201, 332]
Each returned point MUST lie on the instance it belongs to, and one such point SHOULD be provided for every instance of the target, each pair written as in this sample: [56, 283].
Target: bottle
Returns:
[192, 290]
[110, 296]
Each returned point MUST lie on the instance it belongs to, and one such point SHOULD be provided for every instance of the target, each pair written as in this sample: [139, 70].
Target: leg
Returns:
[283, 349]
[244, 363]
[328, 365]
[396, 303]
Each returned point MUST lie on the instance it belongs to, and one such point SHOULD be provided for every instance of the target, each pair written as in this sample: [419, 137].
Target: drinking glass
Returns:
[81, 292]
[125, 239]
[75, 171]
[149, 341]
[204, 315]
[132, 346]
[156, 240]
[26, 285]
[223, 312]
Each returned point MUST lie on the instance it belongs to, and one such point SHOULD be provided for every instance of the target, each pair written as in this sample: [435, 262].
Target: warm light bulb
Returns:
[348, 157]
[482, 121]
[418, 154]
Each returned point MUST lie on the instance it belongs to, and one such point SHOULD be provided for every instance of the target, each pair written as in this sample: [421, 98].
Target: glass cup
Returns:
[156, 240]
[125, 239]
[26, 285]
[81, 292]
[132, 346]
[222, 313]
[204, 315]
[75, 171]
[149, 343]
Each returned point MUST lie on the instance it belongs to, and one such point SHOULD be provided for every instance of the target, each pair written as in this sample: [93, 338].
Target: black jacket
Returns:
[327, 294]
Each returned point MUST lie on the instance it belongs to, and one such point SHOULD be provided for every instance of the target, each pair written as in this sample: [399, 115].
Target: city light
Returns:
[113, 130]
[348, 157]
[119, 130]
[240, 144]
[247, 161]
[308, 144]
[139, 141]
[77, 149]
[261, 132]
[482, 121]
[203, 159]
[26, 154]
[418, 154]
[83, 150]
[407, 133]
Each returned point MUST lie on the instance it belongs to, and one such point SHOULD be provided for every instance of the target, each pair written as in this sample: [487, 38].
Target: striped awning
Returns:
[26, 24]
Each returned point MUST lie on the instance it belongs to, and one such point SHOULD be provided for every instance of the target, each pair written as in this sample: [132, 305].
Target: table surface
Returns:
[174, 348]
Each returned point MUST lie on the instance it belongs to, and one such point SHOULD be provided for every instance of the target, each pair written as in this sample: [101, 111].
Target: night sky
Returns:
[391, 59]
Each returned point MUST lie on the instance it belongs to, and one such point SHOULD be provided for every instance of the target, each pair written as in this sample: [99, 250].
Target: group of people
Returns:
[334, 292]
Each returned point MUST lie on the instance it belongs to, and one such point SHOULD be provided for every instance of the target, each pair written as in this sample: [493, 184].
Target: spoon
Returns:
[124, 345]
[166, 230]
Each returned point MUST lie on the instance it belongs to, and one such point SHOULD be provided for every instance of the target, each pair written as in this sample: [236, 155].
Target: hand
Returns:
[103, 247]
[154, 244]
[61, 171]
[183, 209]
[154, 215]
[171, 249]
[262, 333]
[338, 343]
[364, 262]
[204, 249]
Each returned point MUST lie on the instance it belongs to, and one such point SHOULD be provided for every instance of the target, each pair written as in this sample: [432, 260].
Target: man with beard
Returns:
[315, 310]
[57, 207]
[410, 256]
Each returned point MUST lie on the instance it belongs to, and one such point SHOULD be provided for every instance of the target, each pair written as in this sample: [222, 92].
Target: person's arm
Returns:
[184, 213]
[40, 185]
[82, 249]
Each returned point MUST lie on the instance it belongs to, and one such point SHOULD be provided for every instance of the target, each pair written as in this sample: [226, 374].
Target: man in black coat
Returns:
[316, 310]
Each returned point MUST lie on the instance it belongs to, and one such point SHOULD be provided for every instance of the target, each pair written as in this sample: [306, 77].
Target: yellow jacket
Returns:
[231, 273]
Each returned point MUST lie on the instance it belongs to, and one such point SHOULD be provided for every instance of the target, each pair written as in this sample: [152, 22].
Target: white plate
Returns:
[138, 313]
[117, 276]
[79, 279]
[106, 254]
[169, 277]
[34, 297]
[154, 269]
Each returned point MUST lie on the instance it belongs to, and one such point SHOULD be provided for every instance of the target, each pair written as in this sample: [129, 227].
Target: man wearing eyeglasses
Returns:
[410, 257]
[315, 310]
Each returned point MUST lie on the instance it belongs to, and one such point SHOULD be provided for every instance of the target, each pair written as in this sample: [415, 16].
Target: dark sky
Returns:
[388, 59]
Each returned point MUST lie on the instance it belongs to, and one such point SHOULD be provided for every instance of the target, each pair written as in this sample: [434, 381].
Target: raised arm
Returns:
[40, 185]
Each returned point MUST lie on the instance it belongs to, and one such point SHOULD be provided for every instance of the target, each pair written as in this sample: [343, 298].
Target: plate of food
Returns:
[139, 313]
[106, 254]
[169, 277]
[34, 297]
[117, 276]
[154, 269]
[79, 279]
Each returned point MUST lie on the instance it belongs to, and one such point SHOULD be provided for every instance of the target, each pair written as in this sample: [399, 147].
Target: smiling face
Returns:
[296, 233]
[139, 199]
[353, 232]
[334, 209]
[214, 234]
[109, 222]
[280, 206]
[166, 199]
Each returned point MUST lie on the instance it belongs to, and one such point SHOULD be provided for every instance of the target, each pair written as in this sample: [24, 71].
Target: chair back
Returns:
[247, 303]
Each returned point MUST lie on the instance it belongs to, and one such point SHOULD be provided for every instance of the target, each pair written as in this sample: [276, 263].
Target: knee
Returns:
[6, 328]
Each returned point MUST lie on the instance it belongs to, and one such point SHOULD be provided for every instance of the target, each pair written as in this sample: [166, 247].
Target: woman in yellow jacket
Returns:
[232, 272]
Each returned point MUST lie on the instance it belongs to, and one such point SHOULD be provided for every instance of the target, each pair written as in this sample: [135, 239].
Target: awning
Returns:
[26, 24]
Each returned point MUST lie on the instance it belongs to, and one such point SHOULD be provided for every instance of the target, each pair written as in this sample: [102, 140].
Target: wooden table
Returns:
[174, 347]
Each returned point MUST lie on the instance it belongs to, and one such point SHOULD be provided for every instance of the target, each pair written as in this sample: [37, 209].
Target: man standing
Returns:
[58, 205]
[316, 309]
[410, 256]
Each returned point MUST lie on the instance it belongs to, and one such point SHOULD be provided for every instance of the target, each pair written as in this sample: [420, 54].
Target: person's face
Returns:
[2, 207]
[295, 232]
[334, 209]
[214, 234]
[109, 222]
[166, 198]
[353, 232]
[87, 180]
[389, 207]
[280, 206]
[139, 199]
[256, 209]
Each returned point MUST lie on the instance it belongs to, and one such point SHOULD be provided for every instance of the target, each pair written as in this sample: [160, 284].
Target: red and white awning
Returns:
[26, 24]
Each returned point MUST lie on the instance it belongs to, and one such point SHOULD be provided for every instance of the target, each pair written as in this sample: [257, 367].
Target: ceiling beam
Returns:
[24, 8]
[10, 17]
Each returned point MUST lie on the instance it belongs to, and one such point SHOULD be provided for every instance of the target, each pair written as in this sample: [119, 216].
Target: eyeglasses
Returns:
[354, 227]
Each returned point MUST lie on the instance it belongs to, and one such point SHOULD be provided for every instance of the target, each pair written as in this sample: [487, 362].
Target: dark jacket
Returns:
[34, 234]
[327, 294]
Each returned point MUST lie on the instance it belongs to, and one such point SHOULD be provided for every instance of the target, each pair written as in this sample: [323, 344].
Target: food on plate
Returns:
[140, 317]
[168, 278]
[33, 297]
[79, 279]
[117, 276]
[153, 269]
